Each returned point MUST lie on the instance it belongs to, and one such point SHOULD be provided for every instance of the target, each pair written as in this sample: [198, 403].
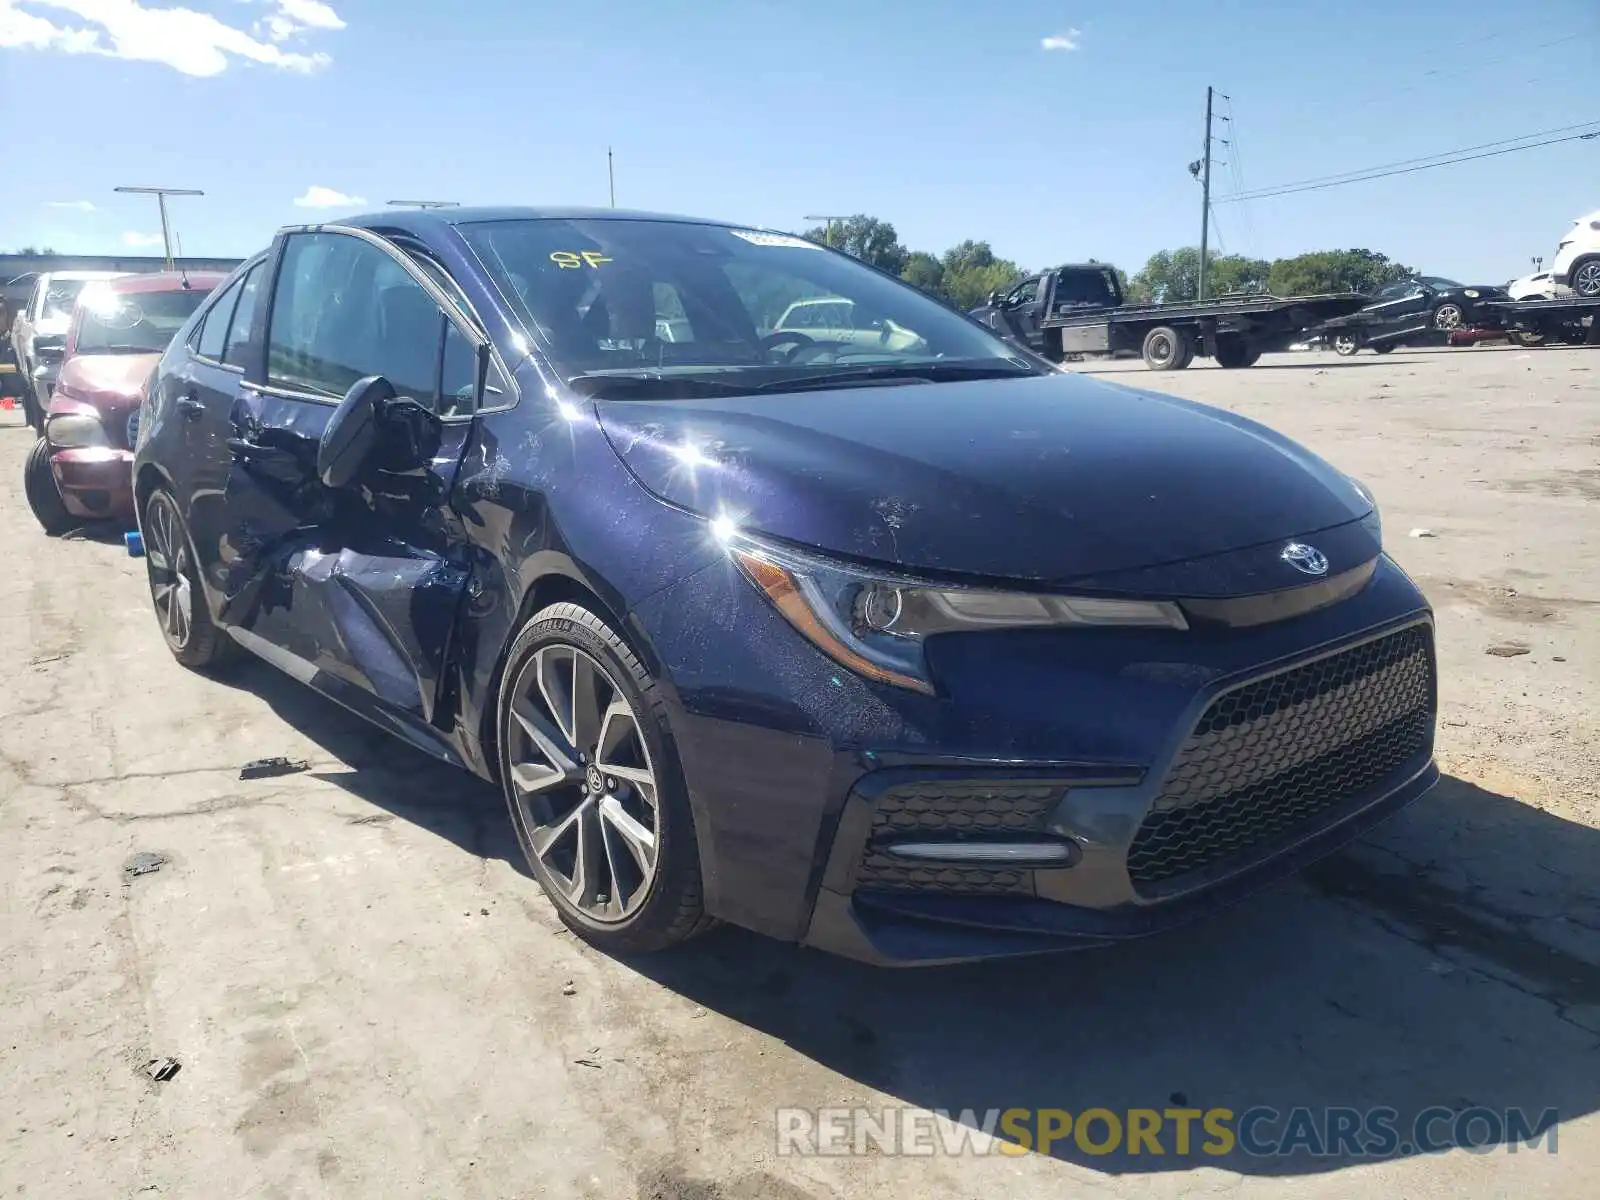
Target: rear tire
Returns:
[180, 602]
[1167, 349]
[44, 496]
[1383, 348]
[1523, 338]
[1345, 344]
[592, 779]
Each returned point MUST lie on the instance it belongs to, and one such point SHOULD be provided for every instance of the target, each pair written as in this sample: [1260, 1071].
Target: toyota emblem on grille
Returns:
[1306, 559]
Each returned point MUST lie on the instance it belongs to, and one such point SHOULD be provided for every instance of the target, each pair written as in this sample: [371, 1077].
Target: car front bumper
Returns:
[96, 482]
[1133, 780]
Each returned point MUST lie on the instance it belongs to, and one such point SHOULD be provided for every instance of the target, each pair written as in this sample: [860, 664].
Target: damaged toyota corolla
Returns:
[903, 645]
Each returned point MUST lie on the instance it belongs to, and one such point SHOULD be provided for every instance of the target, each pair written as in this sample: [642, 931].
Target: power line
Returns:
[1430, 77]
[1404, 167]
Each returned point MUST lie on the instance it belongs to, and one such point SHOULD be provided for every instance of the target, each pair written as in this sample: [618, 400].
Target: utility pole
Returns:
[424, 204]
[1205, 199]
[161, 194]
[828, 227]
[611, 176]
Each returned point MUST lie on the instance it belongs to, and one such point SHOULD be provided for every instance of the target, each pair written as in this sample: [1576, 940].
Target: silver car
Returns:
[39, 335]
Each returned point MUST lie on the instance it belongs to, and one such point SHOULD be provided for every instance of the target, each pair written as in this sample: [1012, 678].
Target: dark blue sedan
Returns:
[845, 621]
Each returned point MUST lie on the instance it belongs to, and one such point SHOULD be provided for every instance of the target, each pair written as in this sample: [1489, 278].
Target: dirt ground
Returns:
[368, 998]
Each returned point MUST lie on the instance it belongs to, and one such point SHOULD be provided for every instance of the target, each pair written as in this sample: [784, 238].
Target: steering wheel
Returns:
[773, 340]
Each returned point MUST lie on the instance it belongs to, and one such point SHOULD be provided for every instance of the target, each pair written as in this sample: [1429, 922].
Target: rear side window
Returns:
[214, 327]
[244, 316]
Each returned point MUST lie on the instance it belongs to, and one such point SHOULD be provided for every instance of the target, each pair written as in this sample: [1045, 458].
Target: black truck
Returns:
[1079, 309]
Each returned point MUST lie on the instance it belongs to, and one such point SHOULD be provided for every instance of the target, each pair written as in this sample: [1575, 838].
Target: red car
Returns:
[81, 468]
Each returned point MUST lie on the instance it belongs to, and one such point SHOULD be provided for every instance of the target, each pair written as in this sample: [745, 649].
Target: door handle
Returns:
[191, 408]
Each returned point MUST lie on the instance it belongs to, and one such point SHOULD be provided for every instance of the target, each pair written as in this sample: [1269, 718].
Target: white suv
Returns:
[1577, 262]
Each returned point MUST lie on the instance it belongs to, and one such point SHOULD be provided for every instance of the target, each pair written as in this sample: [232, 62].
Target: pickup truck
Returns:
[1080, 309]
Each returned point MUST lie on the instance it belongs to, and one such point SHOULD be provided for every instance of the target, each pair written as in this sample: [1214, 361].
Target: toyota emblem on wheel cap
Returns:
[1306, 559]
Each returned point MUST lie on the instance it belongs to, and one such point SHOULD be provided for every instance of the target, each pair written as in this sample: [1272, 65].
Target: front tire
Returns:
[596, 793]
[1383, 348]
[1345, 344]
[44, 495]
[180, 602]
[1448, 317]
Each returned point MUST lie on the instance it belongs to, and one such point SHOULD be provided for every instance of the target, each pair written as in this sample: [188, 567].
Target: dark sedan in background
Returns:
[1412, 312]
[913, 652]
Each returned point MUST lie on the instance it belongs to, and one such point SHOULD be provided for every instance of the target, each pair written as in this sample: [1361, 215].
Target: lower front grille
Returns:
[954, 809]
[1273, 759]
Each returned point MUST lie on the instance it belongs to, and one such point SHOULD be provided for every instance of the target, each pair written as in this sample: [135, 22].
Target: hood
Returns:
[1049, 478]
[112, 382]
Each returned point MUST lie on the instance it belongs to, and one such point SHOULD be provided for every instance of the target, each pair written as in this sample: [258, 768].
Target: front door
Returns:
[1399, 306]
[1019, 310]
[354, 590]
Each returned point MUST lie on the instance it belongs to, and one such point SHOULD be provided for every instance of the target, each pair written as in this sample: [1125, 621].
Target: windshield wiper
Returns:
[891, 373]
[653, 385]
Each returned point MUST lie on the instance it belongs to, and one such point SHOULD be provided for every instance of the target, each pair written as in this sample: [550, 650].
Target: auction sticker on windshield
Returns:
[774, 239]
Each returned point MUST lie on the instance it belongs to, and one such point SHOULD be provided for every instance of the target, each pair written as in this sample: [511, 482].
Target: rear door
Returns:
[194, 407]
[354, 590]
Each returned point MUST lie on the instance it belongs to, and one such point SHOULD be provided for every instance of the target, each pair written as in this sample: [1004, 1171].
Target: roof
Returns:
[422, 220]
[81, 276]
[167, 281]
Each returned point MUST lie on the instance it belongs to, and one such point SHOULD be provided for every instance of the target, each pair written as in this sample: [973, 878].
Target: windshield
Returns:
[59, 297]
[672, 303]
[1440, 283]
[136, 323]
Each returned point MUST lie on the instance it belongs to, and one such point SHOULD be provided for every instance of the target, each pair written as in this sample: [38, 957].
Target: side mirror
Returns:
[351, 434]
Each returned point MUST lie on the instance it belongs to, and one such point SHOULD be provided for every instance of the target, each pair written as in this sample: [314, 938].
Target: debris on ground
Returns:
[569, 988]
[47, 658]
[146, 862]
[1420, 533]
[162, 1069]
[271, 768]
[1507, 650]
[587, 1062]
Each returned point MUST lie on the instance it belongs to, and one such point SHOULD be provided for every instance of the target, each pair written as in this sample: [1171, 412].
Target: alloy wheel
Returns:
[1448, 317]
[582, 781]
[1586, 280]
[167, 555]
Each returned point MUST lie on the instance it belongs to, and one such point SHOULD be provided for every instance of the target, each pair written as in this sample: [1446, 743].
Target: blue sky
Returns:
[950, 119]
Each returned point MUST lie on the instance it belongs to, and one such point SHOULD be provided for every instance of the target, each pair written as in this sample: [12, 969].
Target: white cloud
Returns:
[296, 16]
[325, 197]
[140, 241]
[74, 205]
[1070, 40]
[194, 43]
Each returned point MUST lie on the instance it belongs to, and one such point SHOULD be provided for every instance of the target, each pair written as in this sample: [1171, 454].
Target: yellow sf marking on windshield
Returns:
[567, 260]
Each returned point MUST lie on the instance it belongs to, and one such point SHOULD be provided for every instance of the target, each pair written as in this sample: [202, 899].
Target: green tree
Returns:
[1173, 276]
[1334, 271]
[971, 272]
[867, 238]
[924, 271]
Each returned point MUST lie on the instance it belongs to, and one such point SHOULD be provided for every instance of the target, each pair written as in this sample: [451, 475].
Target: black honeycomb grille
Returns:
[1268, 760]
[954, 808]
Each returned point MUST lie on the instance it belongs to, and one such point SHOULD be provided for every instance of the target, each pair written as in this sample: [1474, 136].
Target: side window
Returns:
[1025, 293]
[344, 309]
[244, 316]
[214, 328]
[458, 374]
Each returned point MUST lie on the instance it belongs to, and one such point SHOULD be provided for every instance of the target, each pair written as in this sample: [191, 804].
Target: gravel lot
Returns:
[368, 998]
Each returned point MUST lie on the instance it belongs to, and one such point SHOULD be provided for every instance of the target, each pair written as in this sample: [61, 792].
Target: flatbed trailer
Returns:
[1079, 309]
[1565, 321]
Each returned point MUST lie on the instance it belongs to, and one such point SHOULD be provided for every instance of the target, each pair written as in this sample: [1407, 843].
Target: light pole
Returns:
[161, 194]
[424, 204]
[828, 227]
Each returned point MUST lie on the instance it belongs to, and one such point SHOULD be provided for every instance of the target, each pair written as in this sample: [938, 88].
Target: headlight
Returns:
[133, 428]
[875, 623]
[74, 431]
[1471, 292]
